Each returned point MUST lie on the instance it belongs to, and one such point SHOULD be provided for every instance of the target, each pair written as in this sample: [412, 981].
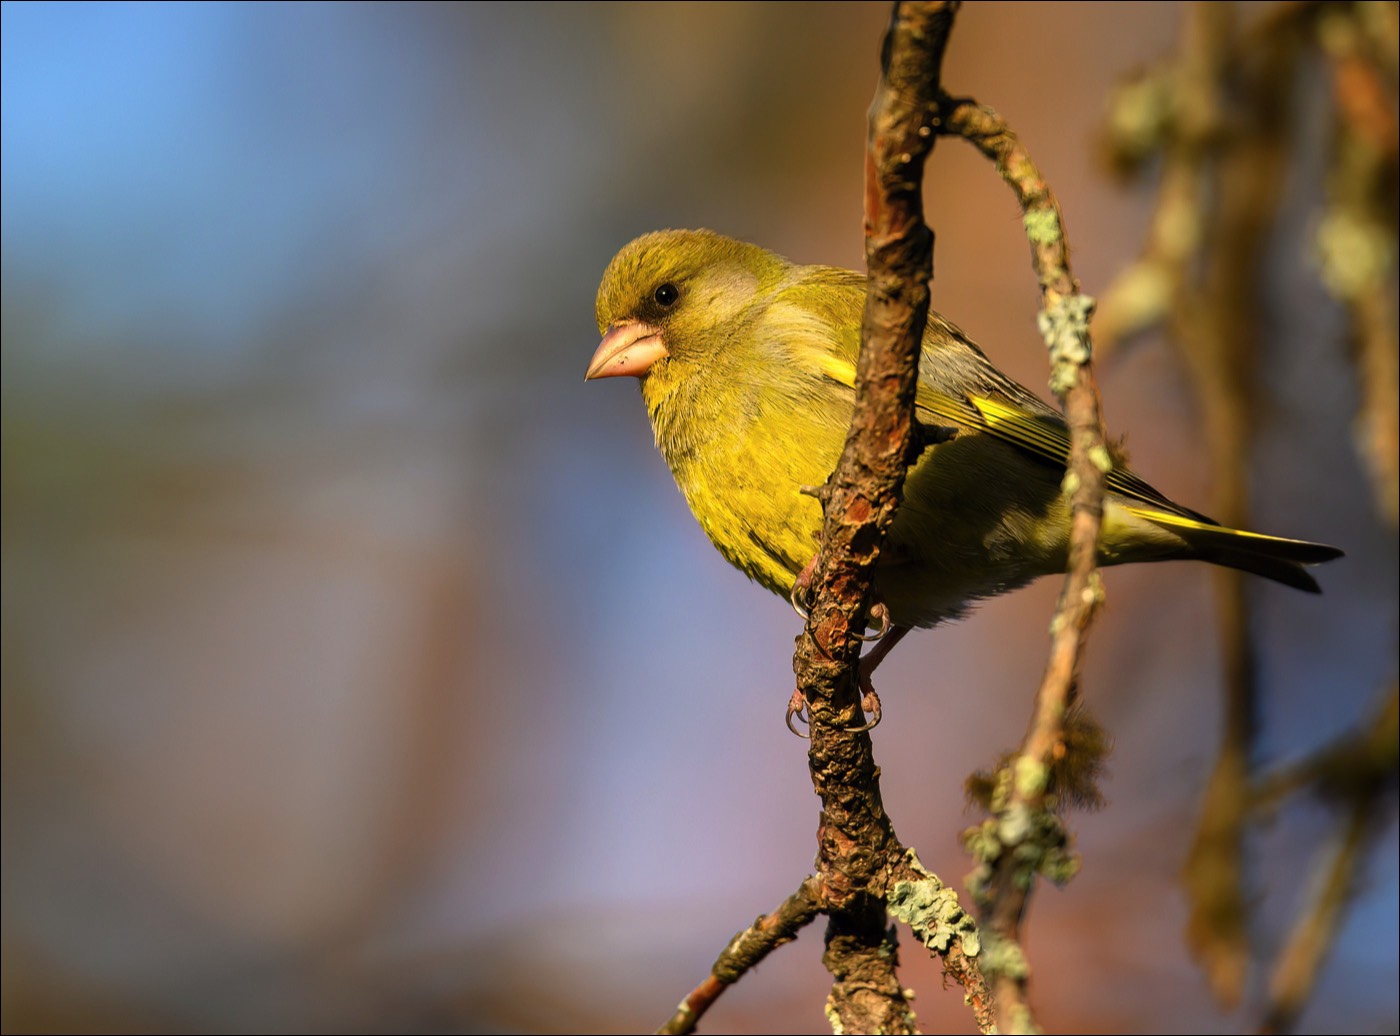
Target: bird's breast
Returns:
[742, 469]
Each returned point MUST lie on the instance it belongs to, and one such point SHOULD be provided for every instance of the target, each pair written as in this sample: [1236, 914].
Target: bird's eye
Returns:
[667, 294]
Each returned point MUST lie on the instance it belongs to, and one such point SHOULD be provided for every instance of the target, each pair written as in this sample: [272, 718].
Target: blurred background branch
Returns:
[1221, 121]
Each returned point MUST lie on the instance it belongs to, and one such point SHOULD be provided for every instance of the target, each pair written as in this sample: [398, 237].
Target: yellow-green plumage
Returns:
[747, 367]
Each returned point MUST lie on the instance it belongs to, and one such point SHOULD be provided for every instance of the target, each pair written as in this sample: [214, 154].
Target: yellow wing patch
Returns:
[1050, 439]
[1038, 434]
[1018, 426]
[838, 370]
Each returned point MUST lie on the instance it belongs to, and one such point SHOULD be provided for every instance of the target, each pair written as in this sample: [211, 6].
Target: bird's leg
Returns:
[887, 635]
[869, 700]
[797, 704]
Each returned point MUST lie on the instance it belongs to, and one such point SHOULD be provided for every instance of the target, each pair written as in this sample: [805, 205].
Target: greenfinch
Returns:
[747, 369]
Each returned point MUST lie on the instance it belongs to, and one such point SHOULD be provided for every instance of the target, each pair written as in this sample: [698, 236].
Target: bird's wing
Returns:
[958, 385]
[1048, 436]
[1005, 410]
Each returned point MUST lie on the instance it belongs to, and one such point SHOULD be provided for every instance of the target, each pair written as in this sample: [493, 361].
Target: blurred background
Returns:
[363, 668]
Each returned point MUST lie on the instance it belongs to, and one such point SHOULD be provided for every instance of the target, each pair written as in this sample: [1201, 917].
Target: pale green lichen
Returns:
[833, 1018]
[1015, 824]
[1354, 254]
[1032, 776]
[1065, 328]
[1045, 851]
[1003, 957]
[1035, 838]
[981, 842]
[1042, 226]
[1138, 115]
[933, 913]
[1093, 593]
[1060, 865]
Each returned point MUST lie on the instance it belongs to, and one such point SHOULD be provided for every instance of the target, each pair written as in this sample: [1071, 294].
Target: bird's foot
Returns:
[800, 586]
[869, 704]
[879, 614]
[797, 713]
[879, 611]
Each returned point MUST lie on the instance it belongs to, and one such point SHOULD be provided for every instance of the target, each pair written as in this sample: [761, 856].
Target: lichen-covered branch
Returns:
[931, 909]
[1026, 837]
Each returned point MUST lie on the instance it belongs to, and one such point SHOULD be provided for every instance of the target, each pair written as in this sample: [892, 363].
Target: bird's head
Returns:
[676, 297]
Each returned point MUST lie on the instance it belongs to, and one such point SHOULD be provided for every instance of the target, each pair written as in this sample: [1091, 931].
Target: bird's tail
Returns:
[1273, 557]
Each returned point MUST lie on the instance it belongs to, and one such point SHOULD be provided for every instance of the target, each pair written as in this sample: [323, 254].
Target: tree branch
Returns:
[744, 953]
[856, 841]
[1222, 113]
[1026, 837]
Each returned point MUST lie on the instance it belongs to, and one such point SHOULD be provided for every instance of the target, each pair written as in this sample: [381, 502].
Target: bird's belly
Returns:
[979, 518]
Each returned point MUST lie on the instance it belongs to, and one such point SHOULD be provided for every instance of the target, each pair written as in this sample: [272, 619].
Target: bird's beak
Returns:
[630, 347]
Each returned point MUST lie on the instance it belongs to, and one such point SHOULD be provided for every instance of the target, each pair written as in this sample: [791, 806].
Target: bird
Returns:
[747, 363]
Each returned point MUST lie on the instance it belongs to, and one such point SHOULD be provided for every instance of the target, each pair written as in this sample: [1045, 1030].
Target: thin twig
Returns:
[1215, 318]
[1222, 130]
[1357, 759]
[931, 909]
[1027, 838]
[744, 953]
[1356, 771]
[1356, 237]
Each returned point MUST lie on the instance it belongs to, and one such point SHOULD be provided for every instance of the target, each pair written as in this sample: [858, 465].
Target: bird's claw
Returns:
[869, 706]
[880, 612]
[797, 711]
[799, 591]
[800, 586]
